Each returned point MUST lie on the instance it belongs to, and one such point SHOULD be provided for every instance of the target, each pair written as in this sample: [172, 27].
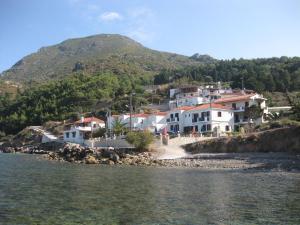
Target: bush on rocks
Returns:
[141, 140]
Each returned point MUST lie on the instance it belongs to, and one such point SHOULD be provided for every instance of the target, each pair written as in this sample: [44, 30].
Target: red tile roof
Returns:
[184, 108]
[140, 115]
[90, 119]
[207, 106]
[160, 113]
[234, 99]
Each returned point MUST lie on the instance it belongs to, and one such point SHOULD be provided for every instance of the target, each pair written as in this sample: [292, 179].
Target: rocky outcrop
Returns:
[24, 149]
[79, 154]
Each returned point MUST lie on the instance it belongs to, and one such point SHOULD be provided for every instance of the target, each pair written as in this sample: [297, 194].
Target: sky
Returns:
[224, 29]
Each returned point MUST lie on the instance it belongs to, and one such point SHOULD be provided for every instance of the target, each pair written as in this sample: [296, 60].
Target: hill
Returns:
[94, 54]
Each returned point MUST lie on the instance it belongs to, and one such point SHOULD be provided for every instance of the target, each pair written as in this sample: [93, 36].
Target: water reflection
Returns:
[42, 192]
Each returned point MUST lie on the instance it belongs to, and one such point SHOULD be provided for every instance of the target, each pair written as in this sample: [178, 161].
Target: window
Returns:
[94, 125]
[234, 105]
[219, 114]
[227, 128]
[177, 115]
[74, 134]
[208, 128]
[246, 104]
[171, 128]
[67, 135]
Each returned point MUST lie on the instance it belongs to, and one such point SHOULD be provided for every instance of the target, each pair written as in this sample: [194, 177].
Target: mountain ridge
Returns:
[93, 54]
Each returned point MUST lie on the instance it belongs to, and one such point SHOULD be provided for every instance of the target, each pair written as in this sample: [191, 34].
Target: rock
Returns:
[91, 160]
[110, 162]
[106, 153]
[115, 157]
[8, 150]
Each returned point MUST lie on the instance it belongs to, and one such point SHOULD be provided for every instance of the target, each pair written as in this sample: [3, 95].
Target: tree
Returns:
[253, 112]
[140, 139]
[119, 127]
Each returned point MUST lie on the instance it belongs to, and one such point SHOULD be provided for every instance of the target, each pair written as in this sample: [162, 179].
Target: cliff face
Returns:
[276, 140]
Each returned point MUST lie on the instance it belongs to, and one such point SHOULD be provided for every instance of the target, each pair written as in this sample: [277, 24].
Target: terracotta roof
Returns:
[184, 108]
[234, 99]
[207, 106]
[140, 115]
[90, 119]
[160, 113]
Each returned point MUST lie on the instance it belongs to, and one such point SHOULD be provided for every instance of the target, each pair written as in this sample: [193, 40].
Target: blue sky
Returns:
[224, 29]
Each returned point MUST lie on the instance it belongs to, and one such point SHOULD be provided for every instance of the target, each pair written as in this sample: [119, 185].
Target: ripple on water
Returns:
[43, 192]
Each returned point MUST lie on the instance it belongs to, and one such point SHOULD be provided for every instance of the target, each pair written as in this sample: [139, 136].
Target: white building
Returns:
[201, 119]
[239, 103]
[154, 122]
[137, 120]
[175, 119]
[82, 129]
[192, 95]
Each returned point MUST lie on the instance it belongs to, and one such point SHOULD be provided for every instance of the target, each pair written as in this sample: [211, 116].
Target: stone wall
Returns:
[276, 140]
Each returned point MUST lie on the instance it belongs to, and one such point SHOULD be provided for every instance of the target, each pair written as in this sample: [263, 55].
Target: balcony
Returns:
[241, 121]
[201, 119]
[239, 109]
[172, 120]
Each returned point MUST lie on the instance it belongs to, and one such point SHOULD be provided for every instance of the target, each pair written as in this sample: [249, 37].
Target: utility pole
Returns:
[243, 84]
[130, 115]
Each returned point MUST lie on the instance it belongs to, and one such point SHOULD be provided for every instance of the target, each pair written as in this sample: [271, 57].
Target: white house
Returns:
[200, 119]
[82, 129]
[193, 95]
[174, 119]
[155, 122]
[137, 120]
[239, 103]
[207, 118]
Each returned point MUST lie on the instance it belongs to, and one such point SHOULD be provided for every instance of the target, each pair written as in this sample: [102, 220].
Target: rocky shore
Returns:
[78, 154]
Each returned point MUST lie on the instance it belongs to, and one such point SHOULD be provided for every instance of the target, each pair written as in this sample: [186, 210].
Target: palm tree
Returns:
[119, 127]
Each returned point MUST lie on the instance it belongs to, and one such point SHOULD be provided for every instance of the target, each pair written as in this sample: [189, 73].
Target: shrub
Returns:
[141, 140]
[99, 133]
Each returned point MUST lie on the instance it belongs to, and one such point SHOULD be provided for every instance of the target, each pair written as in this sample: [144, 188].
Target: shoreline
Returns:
[272, 161]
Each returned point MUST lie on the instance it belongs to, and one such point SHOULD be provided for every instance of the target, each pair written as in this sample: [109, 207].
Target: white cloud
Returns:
[110, 16]
[142, 24]
[141, 34]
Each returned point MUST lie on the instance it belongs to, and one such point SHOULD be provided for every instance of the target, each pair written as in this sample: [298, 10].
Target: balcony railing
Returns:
[172, 119]
[201, 119]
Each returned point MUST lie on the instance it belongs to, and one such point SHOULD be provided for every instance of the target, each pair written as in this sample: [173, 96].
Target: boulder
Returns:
[114, 157]
[91, 160]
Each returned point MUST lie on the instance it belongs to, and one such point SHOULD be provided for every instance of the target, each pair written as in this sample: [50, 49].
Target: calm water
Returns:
[42, 192]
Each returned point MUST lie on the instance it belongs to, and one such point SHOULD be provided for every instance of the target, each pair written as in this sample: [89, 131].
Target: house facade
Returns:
[240, 104]
[155, 122]
[81, 130]
[201, 119]
[194, 95]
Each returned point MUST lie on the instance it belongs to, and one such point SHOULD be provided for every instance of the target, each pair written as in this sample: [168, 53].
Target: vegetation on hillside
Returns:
[271, 74]
[67, 98]
[94, 54]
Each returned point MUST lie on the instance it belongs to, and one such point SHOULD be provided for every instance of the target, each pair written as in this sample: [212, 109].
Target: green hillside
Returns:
[94, 54]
